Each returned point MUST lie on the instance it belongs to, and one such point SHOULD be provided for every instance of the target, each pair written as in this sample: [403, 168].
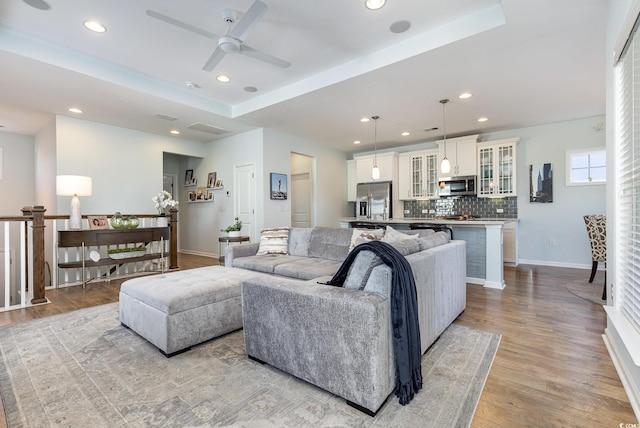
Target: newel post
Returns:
[173, 224]
[37, 216]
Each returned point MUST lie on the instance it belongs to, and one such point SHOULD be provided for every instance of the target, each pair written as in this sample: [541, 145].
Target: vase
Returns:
[134, 222]
[162, 221]
[234, 234]
[117, 220]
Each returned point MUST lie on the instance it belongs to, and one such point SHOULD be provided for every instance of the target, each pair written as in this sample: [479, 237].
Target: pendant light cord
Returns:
[375, 139]
[444, 125]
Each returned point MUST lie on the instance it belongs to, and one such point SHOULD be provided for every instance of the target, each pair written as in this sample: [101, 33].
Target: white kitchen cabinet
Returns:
[387, 162]
[418, 175]
[351, 180]
[497, 168]
[461, 153]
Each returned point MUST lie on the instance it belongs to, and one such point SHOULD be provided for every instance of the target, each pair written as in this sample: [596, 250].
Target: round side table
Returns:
[228, 240]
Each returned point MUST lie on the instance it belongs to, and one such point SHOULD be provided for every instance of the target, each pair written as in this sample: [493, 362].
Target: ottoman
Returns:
[177, 310]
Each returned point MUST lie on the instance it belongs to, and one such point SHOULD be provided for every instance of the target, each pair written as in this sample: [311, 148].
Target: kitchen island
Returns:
[484, 238]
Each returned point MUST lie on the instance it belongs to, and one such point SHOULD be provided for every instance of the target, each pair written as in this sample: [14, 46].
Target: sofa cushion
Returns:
[307, 268]
[274, 241]
[434, 240]
[299, 238]
[330, 243]
[360, 270]
[365, 261]
[392, 235]
[265, 264]
[360, 236]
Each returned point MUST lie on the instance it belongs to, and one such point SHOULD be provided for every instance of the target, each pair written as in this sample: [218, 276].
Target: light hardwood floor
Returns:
[551, 369]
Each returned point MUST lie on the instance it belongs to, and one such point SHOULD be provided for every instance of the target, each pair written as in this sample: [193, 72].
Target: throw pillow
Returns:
[434, 240]
[360, 236]
[392, 235]
[273, 241]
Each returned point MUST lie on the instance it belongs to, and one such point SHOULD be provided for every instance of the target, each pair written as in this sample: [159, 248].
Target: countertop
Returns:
[406, 220]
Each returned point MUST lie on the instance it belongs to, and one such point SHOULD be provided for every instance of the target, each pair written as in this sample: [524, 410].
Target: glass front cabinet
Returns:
[497, 168]
[418, 175]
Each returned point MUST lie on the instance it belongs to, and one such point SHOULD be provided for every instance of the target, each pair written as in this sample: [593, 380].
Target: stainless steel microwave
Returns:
[457, 186]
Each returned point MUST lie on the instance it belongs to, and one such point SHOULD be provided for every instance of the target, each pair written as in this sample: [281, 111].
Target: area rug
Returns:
[588, 291]
[83, 369]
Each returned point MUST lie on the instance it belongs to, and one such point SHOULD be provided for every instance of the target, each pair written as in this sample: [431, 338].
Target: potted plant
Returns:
[234, 229]
[163, 200]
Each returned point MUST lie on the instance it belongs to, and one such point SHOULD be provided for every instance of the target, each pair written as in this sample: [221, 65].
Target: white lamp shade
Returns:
[375, 173]
[70, 185]
[445, 166]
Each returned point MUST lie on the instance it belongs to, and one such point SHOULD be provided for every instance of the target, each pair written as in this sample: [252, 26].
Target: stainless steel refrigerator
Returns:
[373, 201]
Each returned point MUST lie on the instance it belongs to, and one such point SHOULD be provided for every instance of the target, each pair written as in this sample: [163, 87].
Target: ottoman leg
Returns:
[173, 354]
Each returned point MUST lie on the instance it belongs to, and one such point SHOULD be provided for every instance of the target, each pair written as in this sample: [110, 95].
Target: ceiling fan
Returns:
[233, 39]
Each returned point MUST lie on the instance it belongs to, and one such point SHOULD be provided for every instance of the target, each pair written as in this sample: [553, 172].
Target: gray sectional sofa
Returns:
[340, 339]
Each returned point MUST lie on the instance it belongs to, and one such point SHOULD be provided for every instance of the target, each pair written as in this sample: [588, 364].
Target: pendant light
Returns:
[445, 166]
[375, 172]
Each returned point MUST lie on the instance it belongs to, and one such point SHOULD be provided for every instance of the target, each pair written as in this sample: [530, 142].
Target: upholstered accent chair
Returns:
[597, 230]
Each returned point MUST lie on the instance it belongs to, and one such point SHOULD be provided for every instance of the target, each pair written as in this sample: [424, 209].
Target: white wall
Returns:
[17, 185]
[562, 219]
[45, 167]
[126, 166]
[330, 178]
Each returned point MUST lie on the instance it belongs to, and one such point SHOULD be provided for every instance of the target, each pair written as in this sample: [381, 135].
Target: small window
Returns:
[586, 167]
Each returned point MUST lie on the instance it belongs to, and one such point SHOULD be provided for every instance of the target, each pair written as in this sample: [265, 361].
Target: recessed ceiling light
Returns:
[356, 142]
[406, 133]
[175, 132]
[374, 4]
[482, 119]
[365, 120]
[75, 110]
[465, 95]
[95, 26]
[38, 4]
[223, 78]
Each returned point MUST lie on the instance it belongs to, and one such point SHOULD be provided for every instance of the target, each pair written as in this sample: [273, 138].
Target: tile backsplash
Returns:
[456, 205]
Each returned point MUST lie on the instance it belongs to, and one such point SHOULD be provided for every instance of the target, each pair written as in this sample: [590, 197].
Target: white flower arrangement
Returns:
[163, 201]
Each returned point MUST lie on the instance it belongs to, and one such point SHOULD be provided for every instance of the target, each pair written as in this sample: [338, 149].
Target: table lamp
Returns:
[74, 185]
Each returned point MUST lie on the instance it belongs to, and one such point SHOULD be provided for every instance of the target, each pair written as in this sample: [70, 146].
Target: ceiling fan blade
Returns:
[180, 24]
[214, 59]
[265, 57]
[249, 20]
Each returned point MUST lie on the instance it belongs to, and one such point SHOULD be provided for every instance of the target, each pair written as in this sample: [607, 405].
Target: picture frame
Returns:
[218, 183]
[210, 195]
[188, 176]
[278, 186]
[211, 179]
[201, 193]
[541, 183]
[191, 196]
[98, 222]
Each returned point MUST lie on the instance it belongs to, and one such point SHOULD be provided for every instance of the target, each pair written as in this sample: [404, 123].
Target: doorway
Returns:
[302, 191]
[245, 198]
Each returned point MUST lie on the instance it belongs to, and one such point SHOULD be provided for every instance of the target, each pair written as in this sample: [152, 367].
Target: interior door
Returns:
[301, 200]
[245, 198]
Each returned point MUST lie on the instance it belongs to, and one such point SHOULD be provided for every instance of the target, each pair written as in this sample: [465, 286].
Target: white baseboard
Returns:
[625, 377]
[199, 253]
[556, 264]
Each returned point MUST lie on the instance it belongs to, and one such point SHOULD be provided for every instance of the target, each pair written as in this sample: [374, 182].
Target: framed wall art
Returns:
[541, 183]
[278, 186]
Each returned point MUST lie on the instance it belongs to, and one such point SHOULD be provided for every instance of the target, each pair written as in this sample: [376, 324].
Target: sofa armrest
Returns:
[337, 339]
[241, 250]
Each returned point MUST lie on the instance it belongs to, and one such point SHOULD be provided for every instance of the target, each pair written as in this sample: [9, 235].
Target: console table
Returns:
[84, 239]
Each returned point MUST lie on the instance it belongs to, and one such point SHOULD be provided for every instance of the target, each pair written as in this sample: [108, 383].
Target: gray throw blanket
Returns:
[404, 315]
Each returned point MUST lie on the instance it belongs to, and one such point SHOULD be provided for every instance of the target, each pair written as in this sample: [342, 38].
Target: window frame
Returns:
[569, 156]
